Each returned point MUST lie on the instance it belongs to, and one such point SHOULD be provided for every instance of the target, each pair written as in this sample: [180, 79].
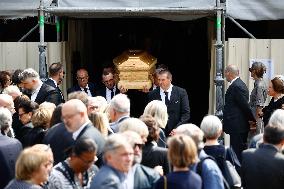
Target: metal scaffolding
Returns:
[180, 12]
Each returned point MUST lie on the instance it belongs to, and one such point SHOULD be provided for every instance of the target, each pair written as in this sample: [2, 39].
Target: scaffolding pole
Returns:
[219, 81]
[42, 46]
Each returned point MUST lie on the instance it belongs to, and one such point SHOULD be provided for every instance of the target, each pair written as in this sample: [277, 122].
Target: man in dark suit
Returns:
[56, 75]
[38, 91]
[83, 83]
[10, 148]
[237, 113]
[110, 88]
[76, 121]
[263, 167]
[175, 98]
[60, 140]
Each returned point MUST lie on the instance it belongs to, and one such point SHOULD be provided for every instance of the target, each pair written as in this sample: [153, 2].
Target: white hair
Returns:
[211, 126]
[134, 124]
[158, 110]
[12, 89]
[193, 131]
[5, 119]
[277, 118]
[28, 73]
[120, 103]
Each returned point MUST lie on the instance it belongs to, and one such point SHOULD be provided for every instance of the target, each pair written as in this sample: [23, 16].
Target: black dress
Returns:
[270, 108]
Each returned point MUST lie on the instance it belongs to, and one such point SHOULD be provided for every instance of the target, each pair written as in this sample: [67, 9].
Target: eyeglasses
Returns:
[82, 78]
[108, 81]
[88, 162]
[68, 116]
[20, 115]
[140, 146]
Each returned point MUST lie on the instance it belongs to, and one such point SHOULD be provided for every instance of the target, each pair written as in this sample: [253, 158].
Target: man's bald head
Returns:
[6, 101]
[74, 114]
[231, 72]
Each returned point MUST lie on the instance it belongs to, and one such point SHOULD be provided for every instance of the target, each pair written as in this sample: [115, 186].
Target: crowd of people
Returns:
[89, 140]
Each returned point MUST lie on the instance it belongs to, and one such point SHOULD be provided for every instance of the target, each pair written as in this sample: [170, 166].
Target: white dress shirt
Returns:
[76, 133]
[35, 92]
[108, 93]
[162, 93]
[88, 90]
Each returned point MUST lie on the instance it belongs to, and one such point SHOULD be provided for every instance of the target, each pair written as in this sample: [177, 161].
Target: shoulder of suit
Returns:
[48, 87]
[147, 170]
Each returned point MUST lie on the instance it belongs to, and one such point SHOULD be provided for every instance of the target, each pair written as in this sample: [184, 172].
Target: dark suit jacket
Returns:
[91, 132]
[237, 111]
[10, 149]
[77, 88]
[60, 140]
[145, 177]
[59, 92]
[47, 93]
[102, 91]
[263, 168]
[153, 156]
[107, 178]
[178, 109]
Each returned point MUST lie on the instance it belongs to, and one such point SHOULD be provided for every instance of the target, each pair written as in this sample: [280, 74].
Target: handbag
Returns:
[230, 174]
[165, 182]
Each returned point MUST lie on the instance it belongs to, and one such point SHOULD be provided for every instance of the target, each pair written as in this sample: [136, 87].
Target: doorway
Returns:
[181, 45]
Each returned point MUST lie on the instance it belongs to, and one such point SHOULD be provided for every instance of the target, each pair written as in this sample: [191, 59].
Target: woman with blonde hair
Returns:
[100, 121]
[41, 122]
[158, 110]
[33, 167]
[182, 153]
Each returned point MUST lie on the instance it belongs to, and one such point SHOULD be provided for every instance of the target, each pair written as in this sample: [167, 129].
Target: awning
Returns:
[167, 9]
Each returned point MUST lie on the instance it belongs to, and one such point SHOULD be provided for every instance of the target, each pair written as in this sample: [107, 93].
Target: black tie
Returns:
[86, 90]
[166, 98]
[112, 93]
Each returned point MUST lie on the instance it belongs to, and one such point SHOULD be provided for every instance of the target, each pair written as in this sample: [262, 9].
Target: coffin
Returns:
[135, 69]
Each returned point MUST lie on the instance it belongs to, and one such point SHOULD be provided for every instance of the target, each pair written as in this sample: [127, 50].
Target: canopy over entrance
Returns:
[167, 9]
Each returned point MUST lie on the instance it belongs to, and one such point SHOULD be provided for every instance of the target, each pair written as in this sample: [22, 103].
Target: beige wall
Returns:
[239, 51]
[21, 55]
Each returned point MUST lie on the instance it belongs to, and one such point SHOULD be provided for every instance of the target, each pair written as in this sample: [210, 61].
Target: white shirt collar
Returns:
[87, 87]
[53, 81]
[169, 90]
[76, 133]
[35, 92]
[233, 80]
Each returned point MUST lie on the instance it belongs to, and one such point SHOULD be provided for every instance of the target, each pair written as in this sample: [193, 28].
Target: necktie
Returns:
[86, 90]
[166, 98]
[112, 93]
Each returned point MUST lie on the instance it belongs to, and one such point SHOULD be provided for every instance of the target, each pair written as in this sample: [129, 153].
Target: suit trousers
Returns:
[238, 141]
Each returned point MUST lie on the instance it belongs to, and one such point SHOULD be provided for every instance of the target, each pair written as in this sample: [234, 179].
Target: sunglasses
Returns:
[140, 146]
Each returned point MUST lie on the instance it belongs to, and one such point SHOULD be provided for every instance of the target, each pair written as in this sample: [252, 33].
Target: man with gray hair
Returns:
[38, 91]
[119, 110]
[210, 173]
[238, 116]
[118, 158]
[139, 176]
[10, 148]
